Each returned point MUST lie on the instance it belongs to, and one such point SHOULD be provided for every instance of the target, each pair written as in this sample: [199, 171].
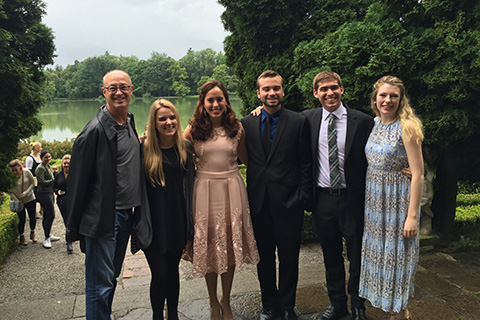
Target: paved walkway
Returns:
[36, 283]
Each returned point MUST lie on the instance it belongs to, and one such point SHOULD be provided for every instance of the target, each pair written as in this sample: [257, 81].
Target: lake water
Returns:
[66, 119]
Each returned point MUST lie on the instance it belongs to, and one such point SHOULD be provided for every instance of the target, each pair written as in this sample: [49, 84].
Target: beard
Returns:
[272, 104]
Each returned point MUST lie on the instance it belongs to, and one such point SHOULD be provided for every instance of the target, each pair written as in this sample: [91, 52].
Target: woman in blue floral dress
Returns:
[390, 245]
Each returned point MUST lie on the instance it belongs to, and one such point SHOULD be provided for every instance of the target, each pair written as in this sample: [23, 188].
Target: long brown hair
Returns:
[201, 124]
[153, 158]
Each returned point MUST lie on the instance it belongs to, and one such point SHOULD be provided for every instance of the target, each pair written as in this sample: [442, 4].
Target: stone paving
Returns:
[37, 284]
[447, 287]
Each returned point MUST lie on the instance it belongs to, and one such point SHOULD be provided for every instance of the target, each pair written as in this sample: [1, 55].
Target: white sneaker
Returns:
[54, 238]
[47, 244]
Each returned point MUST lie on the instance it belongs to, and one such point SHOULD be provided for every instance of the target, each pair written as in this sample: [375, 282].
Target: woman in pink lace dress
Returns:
[223, 234]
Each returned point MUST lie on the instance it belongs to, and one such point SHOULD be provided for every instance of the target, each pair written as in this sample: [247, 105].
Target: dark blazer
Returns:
[285, 174]
[359, 126]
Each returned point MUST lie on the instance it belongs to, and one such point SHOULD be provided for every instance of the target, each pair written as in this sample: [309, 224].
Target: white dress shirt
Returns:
[322, 178]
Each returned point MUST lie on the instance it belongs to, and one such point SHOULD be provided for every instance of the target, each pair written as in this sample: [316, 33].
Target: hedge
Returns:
[56, 148]
[468, 215]
[468, 199]
[8, 227]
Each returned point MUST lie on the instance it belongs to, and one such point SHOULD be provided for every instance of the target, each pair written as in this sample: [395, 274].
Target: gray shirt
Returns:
[128, 165]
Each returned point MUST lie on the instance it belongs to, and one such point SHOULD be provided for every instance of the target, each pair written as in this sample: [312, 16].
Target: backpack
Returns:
[34, 165]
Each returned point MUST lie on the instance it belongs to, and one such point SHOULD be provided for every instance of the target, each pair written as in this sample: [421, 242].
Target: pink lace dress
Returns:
[223, 233]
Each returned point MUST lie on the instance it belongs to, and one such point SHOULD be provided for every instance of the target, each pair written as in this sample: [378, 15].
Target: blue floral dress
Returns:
[389, 260]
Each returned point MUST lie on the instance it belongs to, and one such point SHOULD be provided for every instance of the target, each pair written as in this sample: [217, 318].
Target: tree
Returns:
[157, 76]
[88, 78]
[434, 46]
[178, 77]
[150, 75]
[26, 46]
[200, 64]
[264, 40]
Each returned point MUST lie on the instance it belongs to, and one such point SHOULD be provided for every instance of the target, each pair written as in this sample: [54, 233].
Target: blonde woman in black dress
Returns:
[169, 171]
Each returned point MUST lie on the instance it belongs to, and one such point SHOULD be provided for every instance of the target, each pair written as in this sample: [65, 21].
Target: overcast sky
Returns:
[88, 28]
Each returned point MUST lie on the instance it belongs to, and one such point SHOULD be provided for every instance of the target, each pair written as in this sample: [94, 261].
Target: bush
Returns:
[467, 215]
[468, 199]
[57, 148]
[8, 227]
[468, 187]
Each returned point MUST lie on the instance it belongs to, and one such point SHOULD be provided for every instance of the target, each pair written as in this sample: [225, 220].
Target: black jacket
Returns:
[92, 183]
[142, 229]
[285, 174]
[359, 126]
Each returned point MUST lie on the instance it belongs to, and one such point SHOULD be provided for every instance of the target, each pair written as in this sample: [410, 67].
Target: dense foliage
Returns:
[158, 76]
[433, 45]
[264, 40]
[26, 47]
[8, 227]
[468, 199]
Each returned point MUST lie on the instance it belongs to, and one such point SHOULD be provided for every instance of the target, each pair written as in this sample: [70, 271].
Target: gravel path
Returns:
[32, 272]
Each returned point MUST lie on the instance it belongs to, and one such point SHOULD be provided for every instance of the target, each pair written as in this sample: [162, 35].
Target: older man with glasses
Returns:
[105, 183]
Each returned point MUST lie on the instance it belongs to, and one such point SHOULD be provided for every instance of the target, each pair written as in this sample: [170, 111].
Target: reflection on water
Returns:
[64, 120]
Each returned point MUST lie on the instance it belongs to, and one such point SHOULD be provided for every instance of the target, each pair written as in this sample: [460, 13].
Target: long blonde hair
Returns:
[153, 158]
[411, 124]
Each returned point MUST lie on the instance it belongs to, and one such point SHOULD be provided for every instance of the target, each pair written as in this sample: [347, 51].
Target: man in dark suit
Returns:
[279, 186]
[338, 205]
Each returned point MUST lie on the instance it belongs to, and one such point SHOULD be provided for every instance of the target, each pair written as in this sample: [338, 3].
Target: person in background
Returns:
[169, 170]
[45, 180]
[33, 159]
[279, 189]
[31, 163]
[60, 189]
[390, 246]
[223, 233]
[23, 191]
[144, 135]
[104, 184]
[338, 135]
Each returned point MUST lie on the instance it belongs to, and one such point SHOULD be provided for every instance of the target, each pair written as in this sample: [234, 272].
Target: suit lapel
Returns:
[316, 123]
[282, 123]
[257, 123]
[352, 125]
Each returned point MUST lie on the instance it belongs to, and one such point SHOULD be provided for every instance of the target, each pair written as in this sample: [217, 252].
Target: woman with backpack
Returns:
[31, 163]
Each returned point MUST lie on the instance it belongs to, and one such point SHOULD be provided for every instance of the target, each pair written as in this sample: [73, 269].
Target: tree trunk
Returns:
[445, 198]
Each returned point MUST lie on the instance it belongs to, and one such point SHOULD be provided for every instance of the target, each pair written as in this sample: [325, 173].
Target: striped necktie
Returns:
[333, 153]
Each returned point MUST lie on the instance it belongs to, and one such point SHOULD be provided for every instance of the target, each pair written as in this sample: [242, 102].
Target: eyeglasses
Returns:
[123, 88]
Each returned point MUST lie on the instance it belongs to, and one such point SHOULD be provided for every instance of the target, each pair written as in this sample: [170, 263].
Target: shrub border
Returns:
[8, 227]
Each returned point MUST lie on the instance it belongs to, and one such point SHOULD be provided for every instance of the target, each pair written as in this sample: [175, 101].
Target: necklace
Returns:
[382, 127]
